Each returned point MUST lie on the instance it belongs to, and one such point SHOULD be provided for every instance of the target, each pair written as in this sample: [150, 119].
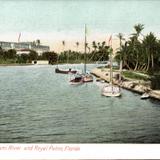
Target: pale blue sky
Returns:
[67, 16]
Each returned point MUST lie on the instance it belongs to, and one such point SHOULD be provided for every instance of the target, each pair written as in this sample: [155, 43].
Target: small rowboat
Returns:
[145, 96]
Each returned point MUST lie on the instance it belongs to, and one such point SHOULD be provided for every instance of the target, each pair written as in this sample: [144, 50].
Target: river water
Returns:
[39, 106]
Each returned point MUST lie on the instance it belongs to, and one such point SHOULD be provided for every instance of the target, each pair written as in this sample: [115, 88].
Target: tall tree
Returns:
[38, 42]
[94, 45]
[138, 28]
[120, 36]
[150, 42]
[77, 45]
[63, 44]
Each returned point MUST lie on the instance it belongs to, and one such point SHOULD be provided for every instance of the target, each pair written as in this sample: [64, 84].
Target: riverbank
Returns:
[139, 86]
[16, 64]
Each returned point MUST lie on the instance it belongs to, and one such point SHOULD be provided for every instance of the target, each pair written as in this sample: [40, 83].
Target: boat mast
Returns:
[111, 71]
[120, 66]
[85, 45]
[57, 60]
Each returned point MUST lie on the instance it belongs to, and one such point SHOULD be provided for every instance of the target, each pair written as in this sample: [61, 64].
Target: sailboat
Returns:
[78, 79]
[111, 90]
[86, 76]
[68, 71]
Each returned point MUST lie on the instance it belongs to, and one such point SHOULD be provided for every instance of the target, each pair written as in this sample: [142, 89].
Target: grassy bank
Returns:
[135, 75]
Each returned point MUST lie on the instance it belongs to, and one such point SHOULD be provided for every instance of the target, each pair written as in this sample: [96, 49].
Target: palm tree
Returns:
[138, 28]
[77, 44]
[94, 45]
[103, 44]
[63, 43]
[135, 42]
[38, 42]
[120, 36]
[150, 42]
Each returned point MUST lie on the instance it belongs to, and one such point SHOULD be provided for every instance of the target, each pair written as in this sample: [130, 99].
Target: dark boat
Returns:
[57, 70]
[78, 79]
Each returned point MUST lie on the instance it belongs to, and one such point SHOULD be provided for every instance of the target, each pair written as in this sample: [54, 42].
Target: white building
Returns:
[40, 62]
[24, 47]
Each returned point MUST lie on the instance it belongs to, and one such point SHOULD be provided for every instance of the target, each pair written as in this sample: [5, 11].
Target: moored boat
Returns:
[57, 70]
[87, 78]
[145, 95]
[111, 91]
[78, 79]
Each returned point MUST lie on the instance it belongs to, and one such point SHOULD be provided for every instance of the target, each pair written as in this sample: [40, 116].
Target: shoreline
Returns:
[137, 86]
[16, 64]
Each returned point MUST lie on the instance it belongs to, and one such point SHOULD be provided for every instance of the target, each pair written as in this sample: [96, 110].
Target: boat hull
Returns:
[76, 80]
[111, 94]
[75, 83]
[145, 96]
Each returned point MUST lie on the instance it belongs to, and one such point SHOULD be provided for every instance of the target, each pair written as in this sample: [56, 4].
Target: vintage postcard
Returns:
[79, 74]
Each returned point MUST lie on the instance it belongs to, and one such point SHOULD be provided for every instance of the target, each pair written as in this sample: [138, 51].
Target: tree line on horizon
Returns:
[99, 53]
[139, 52]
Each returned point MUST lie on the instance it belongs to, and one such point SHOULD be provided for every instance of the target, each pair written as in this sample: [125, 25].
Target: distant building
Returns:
[6, 45]
[24, 47]
[40, 62]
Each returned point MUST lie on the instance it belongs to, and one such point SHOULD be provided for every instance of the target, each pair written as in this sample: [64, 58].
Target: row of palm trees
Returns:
[96, 52]
[139, 52]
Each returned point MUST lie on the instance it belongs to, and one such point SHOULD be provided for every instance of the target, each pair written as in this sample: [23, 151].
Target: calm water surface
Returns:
[39, 106]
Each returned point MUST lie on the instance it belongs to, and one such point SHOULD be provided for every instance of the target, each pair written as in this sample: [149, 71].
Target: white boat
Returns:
[145, 96]
[111, 90]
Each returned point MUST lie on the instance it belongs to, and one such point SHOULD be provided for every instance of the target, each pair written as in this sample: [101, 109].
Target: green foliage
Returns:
[32, 56]
[7, 56]
[23, 58]
[50, 56]
[134, 75]
[140, 53]
[10, 56]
